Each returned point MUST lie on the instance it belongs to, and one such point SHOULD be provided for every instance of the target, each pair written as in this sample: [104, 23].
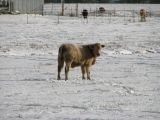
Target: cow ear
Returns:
[102, 46]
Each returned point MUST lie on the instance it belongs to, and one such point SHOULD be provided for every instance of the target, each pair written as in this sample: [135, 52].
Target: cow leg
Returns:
[83, 69]
[60, 66]
[67, 67]
[88, 72]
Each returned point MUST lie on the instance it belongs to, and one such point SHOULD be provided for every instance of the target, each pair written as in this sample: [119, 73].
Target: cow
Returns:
[142, 13]
[78, 55]
[85, 13]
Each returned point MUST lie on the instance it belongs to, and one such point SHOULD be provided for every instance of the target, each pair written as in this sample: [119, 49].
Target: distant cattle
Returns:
[85, 13]
[142, 15]
[78, 55]
[102, 10]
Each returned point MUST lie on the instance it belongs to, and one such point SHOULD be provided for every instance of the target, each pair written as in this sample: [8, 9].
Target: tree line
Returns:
[104, 1]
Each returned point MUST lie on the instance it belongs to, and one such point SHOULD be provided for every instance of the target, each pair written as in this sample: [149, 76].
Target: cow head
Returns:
[95, 48]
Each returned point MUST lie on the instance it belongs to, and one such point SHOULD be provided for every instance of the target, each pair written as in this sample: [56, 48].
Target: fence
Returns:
[115, 10]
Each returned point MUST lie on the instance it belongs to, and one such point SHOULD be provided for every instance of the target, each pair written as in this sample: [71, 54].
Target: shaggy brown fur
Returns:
[78, 55]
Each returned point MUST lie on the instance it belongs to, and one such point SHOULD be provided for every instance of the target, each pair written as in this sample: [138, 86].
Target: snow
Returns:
[125, 80]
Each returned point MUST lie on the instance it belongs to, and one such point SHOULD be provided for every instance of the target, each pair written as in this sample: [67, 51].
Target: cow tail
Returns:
[60, 56]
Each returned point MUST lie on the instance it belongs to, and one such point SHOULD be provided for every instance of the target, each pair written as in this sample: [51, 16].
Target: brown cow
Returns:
[142, 13]
[78, 55]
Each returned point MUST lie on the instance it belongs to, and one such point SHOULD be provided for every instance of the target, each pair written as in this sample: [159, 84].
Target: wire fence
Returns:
[93, 10]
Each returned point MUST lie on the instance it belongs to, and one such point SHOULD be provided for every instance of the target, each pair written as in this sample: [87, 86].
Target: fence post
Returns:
[76, 9]
[27, 17]
[62, 2]
[42, 9]
[133, 15]
[150, 14]
[114, 12]
[58, 17]
[9, 5]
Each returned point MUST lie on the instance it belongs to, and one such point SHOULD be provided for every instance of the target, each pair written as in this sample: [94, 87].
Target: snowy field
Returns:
[125, 81]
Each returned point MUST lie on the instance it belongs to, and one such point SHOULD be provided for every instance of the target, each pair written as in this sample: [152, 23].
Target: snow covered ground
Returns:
[125, 80]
